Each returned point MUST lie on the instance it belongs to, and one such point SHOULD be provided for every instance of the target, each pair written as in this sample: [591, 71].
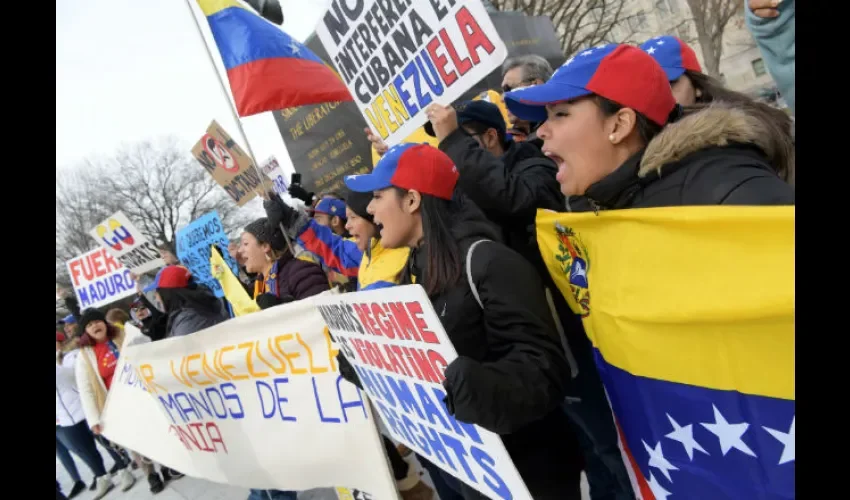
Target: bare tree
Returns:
[711, 17]
[579, 23]
[158, 185]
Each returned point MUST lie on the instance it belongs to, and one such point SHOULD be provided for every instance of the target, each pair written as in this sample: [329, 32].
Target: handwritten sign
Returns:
[397, 61]
[194, 244]
[228, 164]
[256, 401]
[272, 169]
[99, 278]
[127, 244]
[395, 342]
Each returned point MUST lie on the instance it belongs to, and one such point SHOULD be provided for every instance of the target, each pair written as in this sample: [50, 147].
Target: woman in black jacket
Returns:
[511, 374]
[621, 141]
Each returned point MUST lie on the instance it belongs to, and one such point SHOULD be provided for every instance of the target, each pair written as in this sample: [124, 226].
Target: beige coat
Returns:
[89, 382]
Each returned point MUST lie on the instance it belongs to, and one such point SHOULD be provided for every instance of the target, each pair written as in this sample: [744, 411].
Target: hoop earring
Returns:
[268, 259]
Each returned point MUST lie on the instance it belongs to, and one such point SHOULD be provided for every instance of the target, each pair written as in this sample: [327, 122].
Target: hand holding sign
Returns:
[443, 119]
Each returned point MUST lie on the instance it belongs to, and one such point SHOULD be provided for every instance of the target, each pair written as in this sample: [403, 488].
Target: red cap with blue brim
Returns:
[420, 167]
[621, 73]
[674, 56]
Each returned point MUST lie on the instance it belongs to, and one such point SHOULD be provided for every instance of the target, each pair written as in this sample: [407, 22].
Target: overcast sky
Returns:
[133, 70]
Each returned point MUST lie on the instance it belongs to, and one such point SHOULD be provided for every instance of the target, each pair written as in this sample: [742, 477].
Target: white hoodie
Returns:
[69, 409]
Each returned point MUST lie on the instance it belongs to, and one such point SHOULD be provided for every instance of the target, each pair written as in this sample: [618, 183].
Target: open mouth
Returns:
[552, 156]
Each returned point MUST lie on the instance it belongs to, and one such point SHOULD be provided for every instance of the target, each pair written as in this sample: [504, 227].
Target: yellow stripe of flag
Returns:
[695, 295]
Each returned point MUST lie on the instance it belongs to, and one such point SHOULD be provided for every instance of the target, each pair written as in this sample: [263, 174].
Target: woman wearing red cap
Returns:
[609, 125]
[190, 308]
[691, 87]
[511, 374]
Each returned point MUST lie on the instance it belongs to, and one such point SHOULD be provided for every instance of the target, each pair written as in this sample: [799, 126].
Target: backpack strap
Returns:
[469, 273]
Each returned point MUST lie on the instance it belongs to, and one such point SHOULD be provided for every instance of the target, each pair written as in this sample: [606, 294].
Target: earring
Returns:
[268, 259]
[611, 137]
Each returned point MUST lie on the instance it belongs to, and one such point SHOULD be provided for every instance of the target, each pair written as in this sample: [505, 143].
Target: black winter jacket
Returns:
[510, 376]
[509, 190]
[718, 156]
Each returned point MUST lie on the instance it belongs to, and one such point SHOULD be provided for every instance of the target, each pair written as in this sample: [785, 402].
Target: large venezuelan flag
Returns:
[691, 314]
[268, 70]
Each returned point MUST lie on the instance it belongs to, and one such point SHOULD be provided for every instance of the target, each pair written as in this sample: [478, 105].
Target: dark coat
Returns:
[299, 279]
[718, 156]
[511, 375]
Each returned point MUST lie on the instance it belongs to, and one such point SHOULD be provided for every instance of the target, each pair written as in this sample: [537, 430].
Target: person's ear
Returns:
[621, 125]
[412, 201]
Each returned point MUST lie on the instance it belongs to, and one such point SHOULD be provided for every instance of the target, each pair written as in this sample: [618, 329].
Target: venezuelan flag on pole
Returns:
[268, 70]
[691, 314]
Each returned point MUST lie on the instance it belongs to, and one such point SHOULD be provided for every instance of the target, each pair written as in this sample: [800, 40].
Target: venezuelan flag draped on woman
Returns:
[691, 314]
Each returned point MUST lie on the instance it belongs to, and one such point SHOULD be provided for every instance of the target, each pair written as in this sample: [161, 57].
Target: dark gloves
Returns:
[347, 371]
[267, 300]
[278, 212]
[298, 192]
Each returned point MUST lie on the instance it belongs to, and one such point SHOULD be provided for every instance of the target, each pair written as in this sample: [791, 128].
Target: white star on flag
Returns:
[657, 460]
[728, 434]
[788, 441]
[684, 435]
[650, 50]
[294, 47]
[587, 52]
[660, 42]
[657, 490]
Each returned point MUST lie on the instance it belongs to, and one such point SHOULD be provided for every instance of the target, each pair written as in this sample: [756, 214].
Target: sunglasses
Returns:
[523, 83]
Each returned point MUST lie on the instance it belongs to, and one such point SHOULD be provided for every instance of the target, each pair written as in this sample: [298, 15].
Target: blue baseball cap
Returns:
[69, 319]
[674, 55]
[421, 167]
[621, 73]
[478, 111]
[332, 207]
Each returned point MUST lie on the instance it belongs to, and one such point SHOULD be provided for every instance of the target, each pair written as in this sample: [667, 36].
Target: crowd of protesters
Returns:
[616, 127]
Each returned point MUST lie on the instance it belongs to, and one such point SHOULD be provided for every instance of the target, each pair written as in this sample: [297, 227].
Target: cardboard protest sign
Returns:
[256, 401]
[99, 278]
[127, 244]
[396, 343]
[272, 169]
[228, 164]
[194, 244]
[396, 62]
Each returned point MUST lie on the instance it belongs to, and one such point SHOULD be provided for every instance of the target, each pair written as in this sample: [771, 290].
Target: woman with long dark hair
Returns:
[511, 373]
[621, 141]
[693, 88]
[190, 307]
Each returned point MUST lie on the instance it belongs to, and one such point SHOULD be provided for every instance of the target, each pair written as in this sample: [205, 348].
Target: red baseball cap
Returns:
[420, 167]
[624, 74]
[674, 55]
[172, 277]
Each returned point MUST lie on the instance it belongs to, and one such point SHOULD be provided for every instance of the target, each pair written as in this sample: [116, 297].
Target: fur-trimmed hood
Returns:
[720, 124]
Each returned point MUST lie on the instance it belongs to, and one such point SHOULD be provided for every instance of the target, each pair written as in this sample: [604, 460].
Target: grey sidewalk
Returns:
[187, 488]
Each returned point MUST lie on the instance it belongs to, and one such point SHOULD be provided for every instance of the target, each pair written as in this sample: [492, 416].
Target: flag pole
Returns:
[232, 106]
[222, 84]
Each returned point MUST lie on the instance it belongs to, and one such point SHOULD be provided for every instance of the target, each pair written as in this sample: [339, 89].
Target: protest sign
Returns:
[99, 278]
[256, 401]
[396, 60]
[272, 169]
[228, 164]
[127, 244]
[194, 244]
[396, 343]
